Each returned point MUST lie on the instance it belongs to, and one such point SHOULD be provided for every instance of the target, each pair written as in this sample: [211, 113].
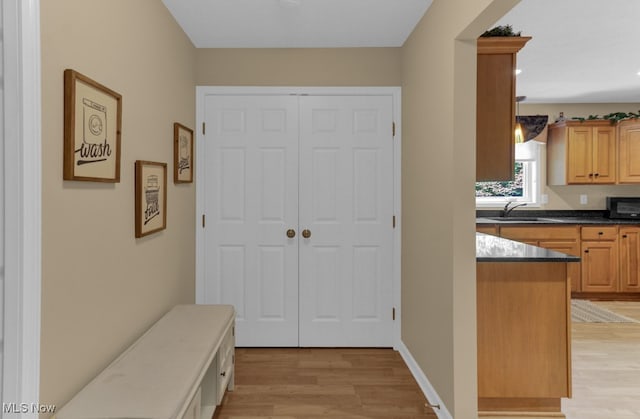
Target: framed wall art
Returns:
[92, 124]
[182, 154]
[151, 197]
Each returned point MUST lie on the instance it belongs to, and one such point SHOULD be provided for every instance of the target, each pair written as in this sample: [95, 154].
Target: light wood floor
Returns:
[322, 383]
[375, 383]
[606, 367]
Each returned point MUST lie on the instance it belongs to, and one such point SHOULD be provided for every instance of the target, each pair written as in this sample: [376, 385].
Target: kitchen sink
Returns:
[521, 219]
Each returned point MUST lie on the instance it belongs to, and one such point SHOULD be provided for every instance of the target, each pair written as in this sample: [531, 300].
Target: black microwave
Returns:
[619, 207]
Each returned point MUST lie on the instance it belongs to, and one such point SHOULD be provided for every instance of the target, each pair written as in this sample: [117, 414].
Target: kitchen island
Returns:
[524, 329]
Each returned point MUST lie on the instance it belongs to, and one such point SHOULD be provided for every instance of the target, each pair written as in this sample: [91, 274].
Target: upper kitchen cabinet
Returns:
[495, 114]
[629, 151]
[581, 153]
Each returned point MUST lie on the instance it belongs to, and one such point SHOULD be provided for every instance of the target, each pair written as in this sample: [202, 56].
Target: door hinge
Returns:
[393, 313]
[203, 128]
[393, 129]
[203, 220]
[394, 221]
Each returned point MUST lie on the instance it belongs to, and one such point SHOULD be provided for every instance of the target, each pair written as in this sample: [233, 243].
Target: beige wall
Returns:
[568, 197]
[101, 287]
[438, 165]
[299, 67]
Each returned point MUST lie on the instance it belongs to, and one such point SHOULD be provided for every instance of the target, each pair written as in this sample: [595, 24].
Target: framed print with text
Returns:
[151, 197]
[182, 154]
[92, 124]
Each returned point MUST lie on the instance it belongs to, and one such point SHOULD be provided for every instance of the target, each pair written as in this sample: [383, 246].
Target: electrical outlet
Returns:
[544, 199]
[583, 199]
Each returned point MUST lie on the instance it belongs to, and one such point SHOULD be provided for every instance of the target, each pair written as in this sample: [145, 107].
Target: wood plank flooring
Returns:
[322, 383]
[375, 383]
[606, 367]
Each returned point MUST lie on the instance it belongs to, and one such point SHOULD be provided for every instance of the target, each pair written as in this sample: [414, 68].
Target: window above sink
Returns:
[526, 187]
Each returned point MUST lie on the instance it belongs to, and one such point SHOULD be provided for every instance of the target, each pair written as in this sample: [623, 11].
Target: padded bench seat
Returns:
[170, 372]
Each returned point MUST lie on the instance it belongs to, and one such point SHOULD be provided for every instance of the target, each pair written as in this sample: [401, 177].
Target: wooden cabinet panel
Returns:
[565, 239]
[629, 151]
[599, 233]
[487, 229]
[570, 247]
[604, 156]
[581, 153]
[630, 259]
[599, 266]
[495, 107]
[523, 333]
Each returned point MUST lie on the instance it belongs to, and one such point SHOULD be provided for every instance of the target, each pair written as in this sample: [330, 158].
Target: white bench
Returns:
[179, 369]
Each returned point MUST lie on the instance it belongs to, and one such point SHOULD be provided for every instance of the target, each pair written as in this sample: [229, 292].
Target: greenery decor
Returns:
[613, 117]
[505, 30]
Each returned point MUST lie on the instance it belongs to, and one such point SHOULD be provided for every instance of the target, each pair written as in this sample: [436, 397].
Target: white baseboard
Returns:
[424, 383]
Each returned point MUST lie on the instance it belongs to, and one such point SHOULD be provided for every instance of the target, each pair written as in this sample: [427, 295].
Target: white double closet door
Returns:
[319, 167]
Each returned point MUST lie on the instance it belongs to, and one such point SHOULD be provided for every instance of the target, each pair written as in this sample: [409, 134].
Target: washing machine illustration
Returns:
[94, 122]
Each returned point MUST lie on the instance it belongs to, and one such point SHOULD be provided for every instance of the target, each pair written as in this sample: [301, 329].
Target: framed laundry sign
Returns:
[151, 197]
[92, 125]
[182, 154]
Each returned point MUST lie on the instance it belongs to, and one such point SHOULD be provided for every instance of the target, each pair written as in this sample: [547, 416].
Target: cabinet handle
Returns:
[306, 233]
[291, 233]
[597, 174]
[586, 251]
[223, 373]
[600, 233]
[590, 174]
[624, 236]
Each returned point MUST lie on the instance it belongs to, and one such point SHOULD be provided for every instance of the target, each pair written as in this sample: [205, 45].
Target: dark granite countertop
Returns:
[497, 249]
[549, 217]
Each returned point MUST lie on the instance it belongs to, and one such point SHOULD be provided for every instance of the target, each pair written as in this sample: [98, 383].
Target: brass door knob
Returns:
[306, 233]
[291, 233]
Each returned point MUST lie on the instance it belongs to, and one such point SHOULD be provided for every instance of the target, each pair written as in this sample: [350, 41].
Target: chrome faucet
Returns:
[506, 211]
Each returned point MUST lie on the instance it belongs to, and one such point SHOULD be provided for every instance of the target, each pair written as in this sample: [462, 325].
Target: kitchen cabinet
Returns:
[564, 239]
[629, 259]
[581, 153]
[487, 229]
[524, 338]
[629, 151]
[599, 259]
[495, 107]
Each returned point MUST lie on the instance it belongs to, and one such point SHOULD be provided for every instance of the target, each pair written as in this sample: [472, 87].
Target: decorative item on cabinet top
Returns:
[534, 127]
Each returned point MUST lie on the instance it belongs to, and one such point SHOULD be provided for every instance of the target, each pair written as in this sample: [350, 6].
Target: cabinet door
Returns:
[487, 229]
[599, 266]
[570, 247]
[629, 152]
[604, 155]
[580, 155]
[630, 259]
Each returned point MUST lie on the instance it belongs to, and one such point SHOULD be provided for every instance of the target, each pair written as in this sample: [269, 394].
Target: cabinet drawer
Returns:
[225, 361]
[599, 233]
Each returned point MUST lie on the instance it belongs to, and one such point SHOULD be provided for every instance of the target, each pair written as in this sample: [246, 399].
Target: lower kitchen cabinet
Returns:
[629, 259]
[565, 239]
[610, 265]
[599, 259]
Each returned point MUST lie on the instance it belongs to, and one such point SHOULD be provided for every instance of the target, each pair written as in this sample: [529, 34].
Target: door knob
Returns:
[291, 233]
[306, 233]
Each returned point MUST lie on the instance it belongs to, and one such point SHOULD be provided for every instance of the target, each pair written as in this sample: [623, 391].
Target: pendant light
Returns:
[518, 134]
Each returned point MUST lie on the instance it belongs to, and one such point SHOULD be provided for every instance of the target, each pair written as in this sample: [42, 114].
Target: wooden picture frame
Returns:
[92, 130]
[182, 154]
[150, 197]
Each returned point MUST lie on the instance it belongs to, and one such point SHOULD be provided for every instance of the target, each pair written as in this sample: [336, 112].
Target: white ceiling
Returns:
[582, 51]
[297, 23]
